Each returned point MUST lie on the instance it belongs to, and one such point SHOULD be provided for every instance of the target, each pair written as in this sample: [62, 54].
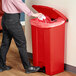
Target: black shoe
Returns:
[32, 69]
[5, 67]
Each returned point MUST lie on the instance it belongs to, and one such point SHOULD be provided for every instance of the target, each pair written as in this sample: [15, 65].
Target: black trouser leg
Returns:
[5, 43]
[20, 41]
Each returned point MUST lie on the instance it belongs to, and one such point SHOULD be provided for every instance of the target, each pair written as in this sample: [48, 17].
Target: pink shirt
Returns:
[15, 6]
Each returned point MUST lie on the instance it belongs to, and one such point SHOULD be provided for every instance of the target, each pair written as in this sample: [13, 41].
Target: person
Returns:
[13, 29]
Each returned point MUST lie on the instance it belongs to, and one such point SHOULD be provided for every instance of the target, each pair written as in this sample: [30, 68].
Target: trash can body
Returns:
[48, 41]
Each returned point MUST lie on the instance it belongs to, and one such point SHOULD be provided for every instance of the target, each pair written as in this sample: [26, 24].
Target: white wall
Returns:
[68, 9]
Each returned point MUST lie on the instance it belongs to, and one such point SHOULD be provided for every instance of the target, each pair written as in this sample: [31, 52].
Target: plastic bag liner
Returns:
[47, 23]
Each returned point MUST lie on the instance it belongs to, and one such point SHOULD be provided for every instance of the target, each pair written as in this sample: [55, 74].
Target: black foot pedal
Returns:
[42, 70]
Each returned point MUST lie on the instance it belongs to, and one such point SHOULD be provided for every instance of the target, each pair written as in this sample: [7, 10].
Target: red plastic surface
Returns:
[1, 13]
[48, 39]
[48, 11]
[48, 48]
[0, 23]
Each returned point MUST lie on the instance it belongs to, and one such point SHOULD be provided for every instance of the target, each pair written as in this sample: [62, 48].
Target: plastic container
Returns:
[48, 40]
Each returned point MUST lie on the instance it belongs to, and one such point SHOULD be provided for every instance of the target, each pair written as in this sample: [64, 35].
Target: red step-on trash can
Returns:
[48, 40]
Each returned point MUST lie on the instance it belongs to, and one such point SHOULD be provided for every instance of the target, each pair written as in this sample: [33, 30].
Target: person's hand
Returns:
[39, 15]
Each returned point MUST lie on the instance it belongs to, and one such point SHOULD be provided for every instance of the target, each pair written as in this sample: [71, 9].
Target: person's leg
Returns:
[6, 40]
[20, 41]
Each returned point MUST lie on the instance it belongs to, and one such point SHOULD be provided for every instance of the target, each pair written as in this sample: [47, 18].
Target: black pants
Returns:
[13, 29]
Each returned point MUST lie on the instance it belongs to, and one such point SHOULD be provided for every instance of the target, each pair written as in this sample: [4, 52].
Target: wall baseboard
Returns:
[67, 67]
[70, 68]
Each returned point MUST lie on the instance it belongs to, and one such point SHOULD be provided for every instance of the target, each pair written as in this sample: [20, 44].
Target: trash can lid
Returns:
[48, 11]
[37, 23]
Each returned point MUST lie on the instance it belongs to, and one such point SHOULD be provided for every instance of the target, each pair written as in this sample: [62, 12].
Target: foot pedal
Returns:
[42, 70]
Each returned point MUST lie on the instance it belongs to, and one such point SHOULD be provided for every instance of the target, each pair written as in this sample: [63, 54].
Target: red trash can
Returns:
[48, 40]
